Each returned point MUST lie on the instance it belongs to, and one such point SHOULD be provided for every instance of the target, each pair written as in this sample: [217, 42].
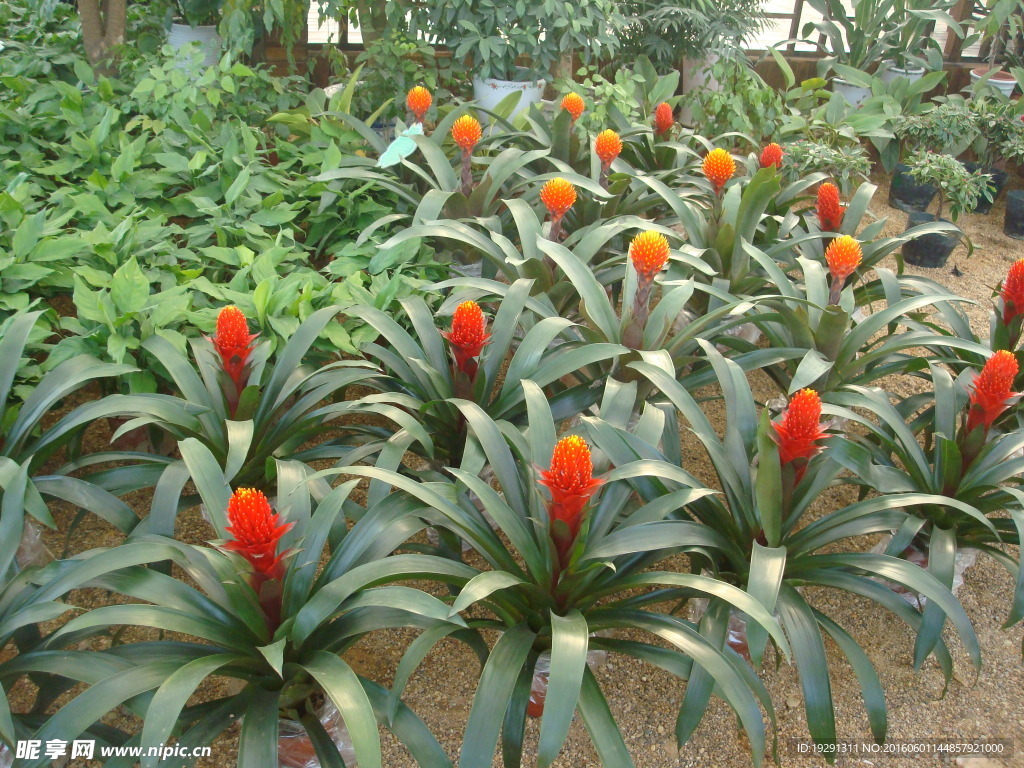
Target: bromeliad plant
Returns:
[428, 371]
[573, 549]
[971, 468]
[274, 606]
[771, 473]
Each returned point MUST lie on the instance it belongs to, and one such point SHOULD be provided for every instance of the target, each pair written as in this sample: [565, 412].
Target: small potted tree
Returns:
[1000, 139]
[957, 187]
[515, 47]
[195, 21]
[1001, 45]
[916, 50]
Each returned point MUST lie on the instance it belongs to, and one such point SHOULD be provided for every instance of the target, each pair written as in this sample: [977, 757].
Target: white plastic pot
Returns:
[207, 37]
[490, 92]
[1003, 82]
[889, 74]
[697, 77]
[855, 95]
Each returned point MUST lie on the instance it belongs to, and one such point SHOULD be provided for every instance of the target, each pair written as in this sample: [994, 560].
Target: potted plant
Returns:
[949, 128]
[916, 49]
[195, 21]
[1000, 139]
[1001, 45]
[854, 41]
[956, 186]
[514, 48]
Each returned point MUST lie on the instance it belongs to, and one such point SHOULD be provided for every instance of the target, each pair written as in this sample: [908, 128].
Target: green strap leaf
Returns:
[346, 691]
[569, 643]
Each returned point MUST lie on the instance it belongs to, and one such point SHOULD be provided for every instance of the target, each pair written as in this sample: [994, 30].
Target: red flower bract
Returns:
[829, 209]
[233, 342]
[663, 119]
[799, 430]
[649, 253]
[256, 531]
[771, 155]
[607, 146]
[570, 480]
[991, 390]
[466, 132]
[418, 100]
[558, 196]
[573, 104]
[843, 256]
[468, 335]
[1012, 292]
[719, 167]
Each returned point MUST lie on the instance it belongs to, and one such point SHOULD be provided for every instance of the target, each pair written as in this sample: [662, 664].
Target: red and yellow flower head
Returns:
[607, 146]
[466, 132]
[573, 104]
[772, 156]
[799, 430]
[256, 532]
[1012, 292]
[570, 481]
[558, 196]
[663, 119]
[468, 335]
[233, 342]
[843, 256]
[649, 253]
[418, 100]
[718, 167]
[829, 209]
[992, 390]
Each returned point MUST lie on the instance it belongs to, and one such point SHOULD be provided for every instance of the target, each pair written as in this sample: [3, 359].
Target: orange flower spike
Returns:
[799, 430]
[468, 336]
[558, 196]
[571, 483]
[233, 342]
[719, 167]
[466, 132]
[649, 254]
[829, 209]
[607, 146]
[663, 119]
[573, 104]
[991, 391]
[772, 155]
[1012, 292]
[418, 100]
[256, 531]
[843, 256]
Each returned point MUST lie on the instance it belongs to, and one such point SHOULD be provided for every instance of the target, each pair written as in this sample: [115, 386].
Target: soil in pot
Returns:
[1013, 223]
[930, 250]
[908, 195]
[999, 179]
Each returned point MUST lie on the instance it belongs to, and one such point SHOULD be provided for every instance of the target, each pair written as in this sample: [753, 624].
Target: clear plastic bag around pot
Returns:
[31, 550]
[965, 558]
[542, 671]
[6, 758]
[295, 750]
[736, 635]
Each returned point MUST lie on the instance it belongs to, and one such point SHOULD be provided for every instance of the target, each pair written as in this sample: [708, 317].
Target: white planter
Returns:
[697, 77]
[892, 72]
[490, 92]
[1006, 87]
[207, 37]
[855, 95]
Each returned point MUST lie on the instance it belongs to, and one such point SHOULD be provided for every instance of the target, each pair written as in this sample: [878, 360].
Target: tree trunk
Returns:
[103, 27]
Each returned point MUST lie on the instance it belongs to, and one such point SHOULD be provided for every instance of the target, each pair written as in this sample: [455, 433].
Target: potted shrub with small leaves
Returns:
[516, 47]
[196, 22]
[1000, 140]
[956, 186]
[949, 128]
